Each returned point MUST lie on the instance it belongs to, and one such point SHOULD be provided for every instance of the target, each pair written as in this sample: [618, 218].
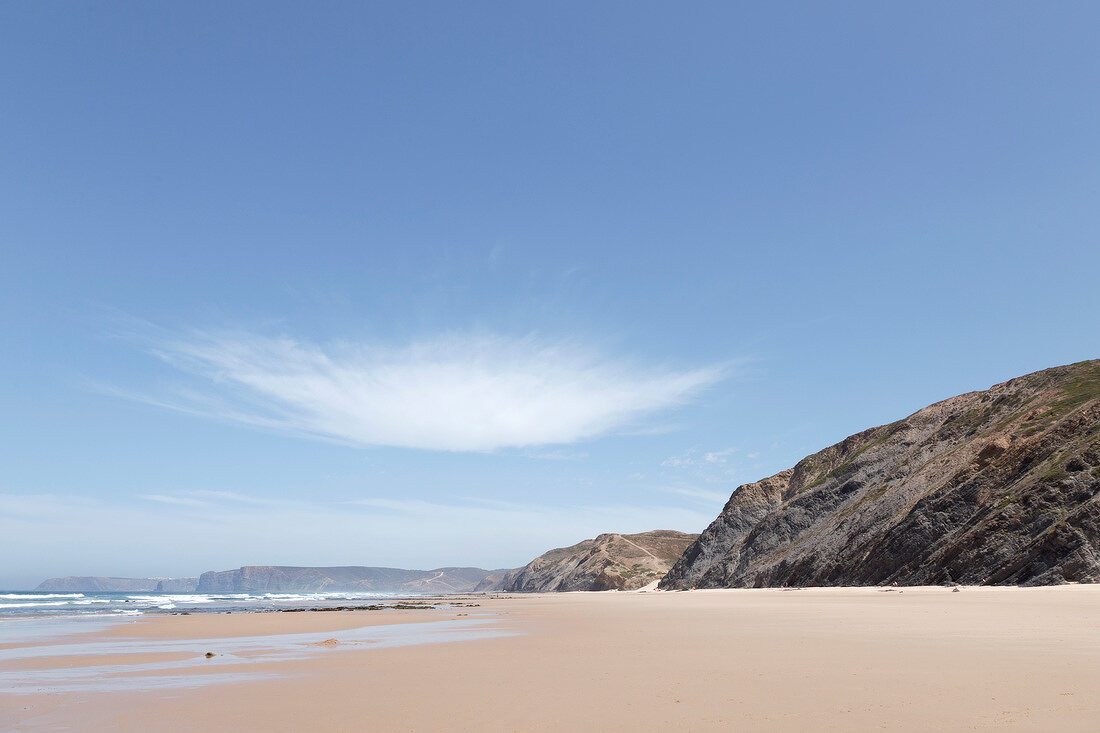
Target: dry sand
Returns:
[816, 659]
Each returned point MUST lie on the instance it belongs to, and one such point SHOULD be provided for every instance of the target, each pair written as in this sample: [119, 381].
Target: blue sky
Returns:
[442, 283]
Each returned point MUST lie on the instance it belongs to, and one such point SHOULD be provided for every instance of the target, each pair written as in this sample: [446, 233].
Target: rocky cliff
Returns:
[282, 579]
[492, 582]
[995, 487]
[101, 584]
[608, 562]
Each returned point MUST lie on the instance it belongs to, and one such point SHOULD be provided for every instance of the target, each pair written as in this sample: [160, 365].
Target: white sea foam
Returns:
[189, 598]
[35, 596]
[158, 600]
[64, 604]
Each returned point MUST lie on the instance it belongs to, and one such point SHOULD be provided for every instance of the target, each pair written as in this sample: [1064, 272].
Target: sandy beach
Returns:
[812, 659]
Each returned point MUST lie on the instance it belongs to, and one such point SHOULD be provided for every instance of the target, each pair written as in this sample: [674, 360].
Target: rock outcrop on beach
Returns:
[608, 562]
[283, 579]
[993, 487]
[101, 584]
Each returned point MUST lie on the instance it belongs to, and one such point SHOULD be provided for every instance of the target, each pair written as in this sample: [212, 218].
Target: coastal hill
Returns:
[993, 487]
[99, 584]
[608, 562]
[282, 579]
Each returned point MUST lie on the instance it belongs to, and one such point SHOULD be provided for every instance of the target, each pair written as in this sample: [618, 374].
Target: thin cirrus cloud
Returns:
[451, 393]
[64, 534]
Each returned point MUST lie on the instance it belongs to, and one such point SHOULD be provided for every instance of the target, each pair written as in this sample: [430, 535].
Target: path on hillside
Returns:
[631, 542]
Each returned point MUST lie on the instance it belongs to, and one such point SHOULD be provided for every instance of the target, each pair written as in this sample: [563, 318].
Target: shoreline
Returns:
[444, 601]
[907, 658]
[33, 604]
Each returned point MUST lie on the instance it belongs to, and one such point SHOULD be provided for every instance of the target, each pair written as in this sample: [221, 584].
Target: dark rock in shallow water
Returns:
[371, 607]
[996, 487]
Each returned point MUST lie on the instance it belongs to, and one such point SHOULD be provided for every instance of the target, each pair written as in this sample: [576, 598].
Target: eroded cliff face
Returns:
[995, 487]
[282, 579]
[608, 562]
[75, 583]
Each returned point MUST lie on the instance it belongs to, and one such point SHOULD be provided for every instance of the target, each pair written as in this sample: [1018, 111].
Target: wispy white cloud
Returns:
[211, 498]
[687, 458]
[695, 467]
[691, 457]
[31, 506]
[454, 393]
[557, 455]
[719, 456]
[709, 497]
[175, 500]
[158, 536]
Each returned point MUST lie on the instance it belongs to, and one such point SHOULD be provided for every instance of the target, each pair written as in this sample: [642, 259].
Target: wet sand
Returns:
[814, 659]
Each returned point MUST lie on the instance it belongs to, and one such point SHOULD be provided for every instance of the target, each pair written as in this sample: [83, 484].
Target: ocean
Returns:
[31, 641]
[24, 603]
